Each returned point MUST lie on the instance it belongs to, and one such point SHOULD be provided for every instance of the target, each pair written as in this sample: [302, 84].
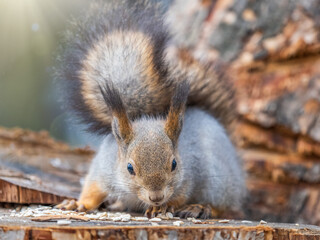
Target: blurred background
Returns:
[30, 36]
[30, 33]
[270, 50]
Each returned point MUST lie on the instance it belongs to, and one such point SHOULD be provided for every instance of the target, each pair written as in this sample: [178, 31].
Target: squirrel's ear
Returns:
[121, 125]
[122, 130]
[174, 119]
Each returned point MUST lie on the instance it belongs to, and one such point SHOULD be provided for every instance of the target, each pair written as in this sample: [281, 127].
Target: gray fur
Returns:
[211, 161]
[209, 173]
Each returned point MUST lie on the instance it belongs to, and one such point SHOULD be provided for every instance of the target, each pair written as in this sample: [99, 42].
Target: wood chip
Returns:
[56, 217]
[169, 215]
[155, 220]
[63, 222]
[246, 221]
[178, 223]
[196, 221]
[141, 219]
[116, 219]
[263, 222]
[224, 221]
[125, 219]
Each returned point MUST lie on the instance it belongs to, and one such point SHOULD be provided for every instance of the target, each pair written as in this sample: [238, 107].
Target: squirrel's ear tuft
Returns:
[121, 125]
[174, 120]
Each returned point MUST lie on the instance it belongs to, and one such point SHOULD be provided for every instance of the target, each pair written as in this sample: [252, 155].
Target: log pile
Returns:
[272, 53]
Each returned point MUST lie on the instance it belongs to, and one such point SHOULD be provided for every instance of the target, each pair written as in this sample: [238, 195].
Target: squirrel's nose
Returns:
[156, 198]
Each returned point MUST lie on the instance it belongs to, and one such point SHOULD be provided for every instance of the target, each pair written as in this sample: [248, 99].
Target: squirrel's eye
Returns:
[174, 165]
[130, 169]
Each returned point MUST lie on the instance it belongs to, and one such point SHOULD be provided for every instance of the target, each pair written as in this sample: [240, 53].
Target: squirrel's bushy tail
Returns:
[120, 42]
[210, 87]
[123, 43]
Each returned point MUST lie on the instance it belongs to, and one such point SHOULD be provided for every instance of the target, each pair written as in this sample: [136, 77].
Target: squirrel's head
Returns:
[148, 158]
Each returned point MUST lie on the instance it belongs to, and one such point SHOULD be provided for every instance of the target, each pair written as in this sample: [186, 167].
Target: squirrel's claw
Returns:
[72, 204]
[167, 209]
[197, 211]
[153, 211]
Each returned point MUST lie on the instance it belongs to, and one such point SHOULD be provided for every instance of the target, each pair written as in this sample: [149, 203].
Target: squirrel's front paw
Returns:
[72, 204]
[154, 211]
[197, 211]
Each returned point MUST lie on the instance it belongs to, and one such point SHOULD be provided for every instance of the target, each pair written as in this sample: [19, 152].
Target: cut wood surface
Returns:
[24, 228]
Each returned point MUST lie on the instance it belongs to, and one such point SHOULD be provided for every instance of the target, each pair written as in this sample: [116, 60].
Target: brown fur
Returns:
[91, 196]
[125, 128]
[174, 120]
[151, 155]
[146, 158]
[172, 125]
[121, 126]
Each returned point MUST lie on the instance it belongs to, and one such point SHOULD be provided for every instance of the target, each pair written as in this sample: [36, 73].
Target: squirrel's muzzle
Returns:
[156, 197]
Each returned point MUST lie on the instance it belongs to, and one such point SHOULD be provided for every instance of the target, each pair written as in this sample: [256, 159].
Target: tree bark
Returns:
[272, 52]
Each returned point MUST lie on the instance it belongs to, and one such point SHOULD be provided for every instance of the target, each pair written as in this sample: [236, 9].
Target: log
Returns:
[284, 95]
[24, 228]
[278, 202]
[271, 49]
[271, 52]
[250, 135]
[281, 168]
[34, 168]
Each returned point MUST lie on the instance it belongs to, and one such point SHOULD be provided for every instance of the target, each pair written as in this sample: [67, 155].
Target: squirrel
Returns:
[164, 148]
